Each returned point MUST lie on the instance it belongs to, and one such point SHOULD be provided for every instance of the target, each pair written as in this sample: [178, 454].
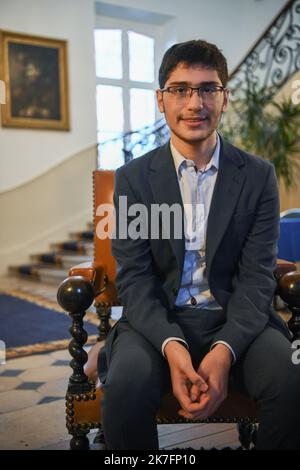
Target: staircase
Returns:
[52, 267]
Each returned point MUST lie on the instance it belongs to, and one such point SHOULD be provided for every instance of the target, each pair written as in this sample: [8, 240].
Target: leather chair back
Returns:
[103, 194]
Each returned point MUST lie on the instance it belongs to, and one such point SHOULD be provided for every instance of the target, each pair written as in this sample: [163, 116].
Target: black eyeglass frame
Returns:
[191, 89]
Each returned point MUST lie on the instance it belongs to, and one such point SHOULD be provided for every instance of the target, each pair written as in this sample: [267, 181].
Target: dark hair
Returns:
[193, 52]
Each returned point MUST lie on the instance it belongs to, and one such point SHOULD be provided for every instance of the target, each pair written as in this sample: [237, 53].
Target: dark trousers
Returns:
[138, 376]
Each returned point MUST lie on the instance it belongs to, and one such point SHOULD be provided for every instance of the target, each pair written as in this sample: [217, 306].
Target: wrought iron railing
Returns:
[142, 140]
[133, 144]
[275, 56]
[273, 59]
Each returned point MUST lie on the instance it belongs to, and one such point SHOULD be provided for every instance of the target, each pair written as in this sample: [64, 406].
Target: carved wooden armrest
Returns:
[93, 272]
[283, 267]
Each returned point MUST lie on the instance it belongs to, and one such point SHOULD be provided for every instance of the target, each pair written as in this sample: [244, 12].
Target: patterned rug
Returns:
[29, 327]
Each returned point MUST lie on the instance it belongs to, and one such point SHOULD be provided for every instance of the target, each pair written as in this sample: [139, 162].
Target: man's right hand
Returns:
[183, 376]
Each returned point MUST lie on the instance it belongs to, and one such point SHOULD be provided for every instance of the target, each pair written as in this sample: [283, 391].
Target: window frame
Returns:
[126, 84]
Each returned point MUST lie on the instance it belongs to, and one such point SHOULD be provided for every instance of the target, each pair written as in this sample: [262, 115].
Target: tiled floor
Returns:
[32, 393]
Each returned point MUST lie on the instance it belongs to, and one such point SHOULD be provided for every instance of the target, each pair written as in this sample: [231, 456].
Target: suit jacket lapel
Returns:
[166, 190]
[230, 180]
[228, 186]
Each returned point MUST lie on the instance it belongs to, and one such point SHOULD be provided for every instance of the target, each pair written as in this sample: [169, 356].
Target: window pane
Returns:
[109, 108]
[141, 57]
[108, 50]
[142, 108]
[110, 126]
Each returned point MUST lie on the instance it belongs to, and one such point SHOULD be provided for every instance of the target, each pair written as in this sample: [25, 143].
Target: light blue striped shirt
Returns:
[196, 189]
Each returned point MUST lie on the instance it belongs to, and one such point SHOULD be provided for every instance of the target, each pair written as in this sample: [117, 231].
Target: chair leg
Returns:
[103, 312]
[79, 440]
[247, 434]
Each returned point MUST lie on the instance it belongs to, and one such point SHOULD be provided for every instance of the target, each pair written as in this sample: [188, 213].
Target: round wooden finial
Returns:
[75, 294]
[289, 288]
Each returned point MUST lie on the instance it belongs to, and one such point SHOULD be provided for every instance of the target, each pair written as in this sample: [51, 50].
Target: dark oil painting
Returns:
[34, 81]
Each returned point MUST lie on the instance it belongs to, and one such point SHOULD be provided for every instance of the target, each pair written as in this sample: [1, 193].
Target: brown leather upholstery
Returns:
[103, 194]
[93, 272]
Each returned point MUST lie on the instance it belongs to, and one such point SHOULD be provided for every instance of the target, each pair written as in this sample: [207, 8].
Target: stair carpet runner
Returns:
[53, 267]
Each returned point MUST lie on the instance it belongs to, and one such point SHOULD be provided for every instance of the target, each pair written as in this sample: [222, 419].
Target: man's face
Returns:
[192, 120]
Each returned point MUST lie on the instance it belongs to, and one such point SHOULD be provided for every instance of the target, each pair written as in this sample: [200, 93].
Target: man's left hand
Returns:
[214, 368]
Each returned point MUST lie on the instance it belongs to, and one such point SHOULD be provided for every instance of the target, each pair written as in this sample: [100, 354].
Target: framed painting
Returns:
[34, 70]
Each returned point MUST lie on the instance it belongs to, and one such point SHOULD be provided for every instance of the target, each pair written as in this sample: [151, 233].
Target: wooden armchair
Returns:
[94, 282]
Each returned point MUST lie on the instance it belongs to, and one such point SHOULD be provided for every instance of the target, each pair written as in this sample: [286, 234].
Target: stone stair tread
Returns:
[59, 256]
[71, 253]
[51, 258]
[68, 247]
[68, 256]
[83, 235]
[37, 268]
[52, 271]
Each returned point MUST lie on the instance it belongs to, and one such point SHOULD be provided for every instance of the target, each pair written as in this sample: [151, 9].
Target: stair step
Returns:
[24, 270]
[53, 267]
[60, 260]
[44, 273]
[52, 276]
[47, 258]
[86, 235]
[67, 261]
[74, 246]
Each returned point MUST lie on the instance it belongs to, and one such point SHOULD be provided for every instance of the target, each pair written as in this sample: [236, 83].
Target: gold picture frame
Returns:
[34, 70]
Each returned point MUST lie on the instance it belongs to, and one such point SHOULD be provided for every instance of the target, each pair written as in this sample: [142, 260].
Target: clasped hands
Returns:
[200, 392]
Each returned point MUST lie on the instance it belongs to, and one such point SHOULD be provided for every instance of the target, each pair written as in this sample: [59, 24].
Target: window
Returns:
[141, 57]
[125, 94]
[109, 53]
[110, 117]
[142, 107]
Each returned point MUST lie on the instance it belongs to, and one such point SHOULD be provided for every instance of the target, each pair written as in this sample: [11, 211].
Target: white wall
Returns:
[28, 153]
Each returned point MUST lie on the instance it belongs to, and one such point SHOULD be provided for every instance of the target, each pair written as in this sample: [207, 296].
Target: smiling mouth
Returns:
[195, 121]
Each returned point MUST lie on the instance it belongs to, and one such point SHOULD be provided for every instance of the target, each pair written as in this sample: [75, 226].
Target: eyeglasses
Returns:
[183, 93]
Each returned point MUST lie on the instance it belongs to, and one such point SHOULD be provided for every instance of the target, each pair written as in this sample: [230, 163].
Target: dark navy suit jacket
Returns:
[241, 247]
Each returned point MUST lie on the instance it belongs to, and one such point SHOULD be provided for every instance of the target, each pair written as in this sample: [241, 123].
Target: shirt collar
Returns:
[180, 160]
